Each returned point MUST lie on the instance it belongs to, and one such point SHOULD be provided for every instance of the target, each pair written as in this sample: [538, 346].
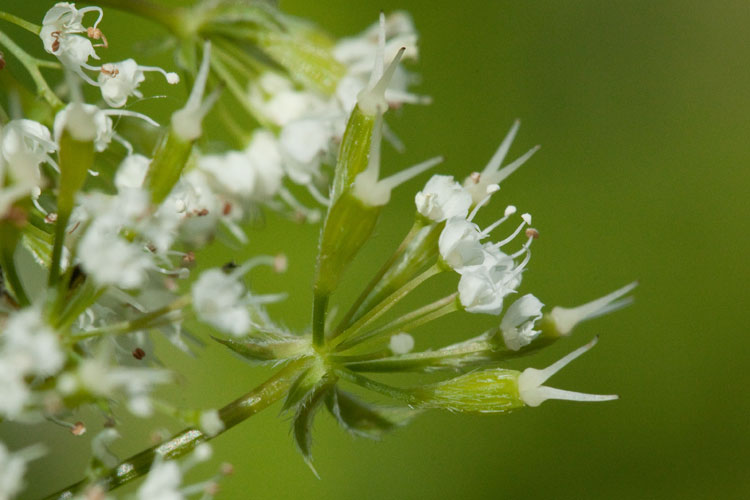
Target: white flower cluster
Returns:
[488, 274]
[303, 128]
[62, 34]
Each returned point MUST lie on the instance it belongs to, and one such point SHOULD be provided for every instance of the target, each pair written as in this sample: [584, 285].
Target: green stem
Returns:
[387, 390]
[184, 442]
[346, 320]
[320, 306]
[385, 305]
[409, 321]
[451, 357]
[148, 320]
[20, 22]
[10, 274]
[32, 66]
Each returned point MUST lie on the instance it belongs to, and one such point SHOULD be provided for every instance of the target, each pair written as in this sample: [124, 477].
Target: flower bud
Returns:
[560, 321]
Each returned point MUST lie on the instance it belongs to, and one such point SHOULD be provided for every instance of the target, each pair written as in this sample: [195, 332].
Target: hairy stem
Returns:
[184, 442]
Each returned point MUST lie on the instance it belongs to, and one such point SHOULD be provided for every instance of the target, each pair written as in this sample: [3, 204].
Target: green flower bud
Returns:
[499, 390]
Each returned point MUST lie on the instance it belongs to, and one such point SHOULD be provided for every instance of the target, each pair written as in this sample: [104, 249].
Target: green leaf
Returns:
[304, 417]
[264, 351]
[365, 419]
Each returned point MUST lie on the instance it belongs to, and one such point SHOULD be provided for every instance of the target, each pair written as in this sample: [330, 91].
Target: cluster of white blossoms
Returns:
[104, 211]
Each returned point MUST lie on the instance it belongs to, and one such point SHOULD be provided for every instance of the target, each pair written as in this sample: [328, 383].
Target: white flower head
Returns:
[533, 393]
[443, 198]
[401, 343]
[218, 299]
[120, 80]
[517, 325]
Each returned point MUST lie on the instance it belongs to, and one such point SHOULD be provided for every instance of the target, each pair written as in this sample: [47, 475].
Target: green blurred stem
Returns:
[409, 321]
[184, 442]
[20, 22]
[9, 272]
[172, 18]
[346, 320]
[32, 65]
[385, 305]
[148, 320]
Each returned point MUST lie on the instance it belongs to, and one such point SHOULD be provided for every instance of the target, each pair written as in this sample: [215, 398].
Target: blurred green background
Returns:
[642, 111]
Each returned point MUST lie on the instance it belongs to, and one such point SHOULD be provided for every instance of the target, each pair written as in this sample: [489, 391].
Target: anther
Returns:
[139, 353]
[78, 429]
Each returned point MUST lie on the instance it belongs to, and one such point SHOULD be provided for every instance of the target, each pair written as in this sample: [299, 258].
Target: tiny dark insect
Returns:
[139, 353]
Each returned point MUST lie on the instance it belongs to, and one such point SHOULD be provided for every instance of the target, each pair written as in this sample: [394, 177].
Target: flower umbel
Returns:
[103, 220]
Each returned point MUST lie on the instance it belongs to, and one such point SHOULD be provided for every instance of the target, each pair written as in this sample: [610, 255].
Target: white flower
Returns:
[30, 345]
[401, 343]
[14, 394]
[211, 423]
[218, 299]
[478, 182]
[13, 467]
[443, 198]
[120, 80]
[265, 158]
[479, 293]
[565, 319]
[60, 31]
[107, 257]
[518, 322]
[304, 143]
[98, 377]
[232, 172]
[92, 117]
[186, 122]
[162, 482]
[24, 144]
[131, 172]
[533, 393]
[368, 187]
[460, 243]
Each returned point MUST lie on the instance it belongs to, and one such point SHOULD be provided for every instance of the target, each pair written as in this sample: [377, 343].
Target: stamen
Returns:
[513, 235]
[171, 77]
